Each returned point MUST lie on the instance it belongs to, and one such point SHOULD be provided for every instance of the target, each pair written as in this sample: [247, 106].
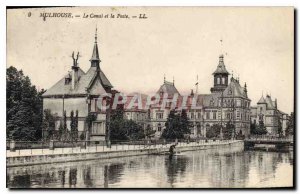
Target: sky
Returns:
[179, 42]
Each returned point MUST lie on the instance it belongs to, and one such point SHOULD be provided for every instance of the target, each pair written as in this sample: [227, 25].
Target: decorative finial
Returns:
[221, 58]
[164, 78]
[96, 35]
[173, 81]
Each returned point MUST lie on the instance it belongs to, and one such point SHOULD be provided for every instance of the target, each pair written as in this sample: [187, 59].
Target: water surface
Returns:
[194, 169]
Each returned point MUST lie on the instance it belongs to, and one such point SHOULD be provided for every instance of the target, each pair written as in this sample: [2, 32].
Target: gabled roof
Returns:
[234, 89]
[261, 100]
[169, 88]
[85, 81]
[60, 88]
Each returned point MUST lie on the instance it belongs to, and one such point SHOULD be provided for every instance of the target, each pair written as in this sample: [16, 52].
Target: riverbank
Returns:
[44, 156]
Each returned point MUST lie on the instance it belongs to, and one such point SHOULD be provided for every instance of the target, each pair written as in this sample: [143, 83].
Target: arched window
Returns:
[218, 80]
[223, 80]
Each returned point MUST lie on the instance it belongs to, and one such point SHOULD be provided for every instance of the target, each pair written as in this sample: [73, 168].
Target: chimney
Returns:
[75, 70]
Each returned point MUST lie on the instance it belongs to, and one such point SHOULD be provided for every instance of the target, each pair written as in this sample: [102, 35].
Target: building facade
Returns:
[266, 111]
[78, 91]
[158, 113]
[227, 102]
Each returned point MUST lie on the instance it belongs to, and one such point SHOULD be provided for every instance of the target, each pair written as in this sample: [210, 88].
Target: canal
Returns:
[193, 169]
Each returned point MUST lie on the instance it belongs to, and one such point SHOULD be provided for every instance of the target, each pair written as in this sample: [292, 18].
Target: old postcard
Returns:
[150, 97]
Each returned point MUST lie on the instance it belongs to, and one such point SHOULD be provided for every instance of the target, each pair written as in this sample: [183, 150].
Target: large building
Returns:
[158, 113]
[266, 111]
[79, 91]
[227, 102]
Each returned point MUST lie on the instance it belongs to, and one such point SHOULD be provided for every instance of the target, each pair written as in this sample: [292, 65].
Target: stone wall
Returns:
[68, 157]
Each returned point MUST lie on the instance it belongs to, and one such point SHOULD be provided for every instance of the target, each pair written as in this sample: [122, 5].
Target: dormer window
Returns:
[229, 92]
[67, 80]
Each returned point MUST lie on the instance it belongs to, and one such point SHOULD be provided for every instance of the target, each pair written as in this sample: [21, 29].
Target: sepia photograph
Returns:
[150, 97]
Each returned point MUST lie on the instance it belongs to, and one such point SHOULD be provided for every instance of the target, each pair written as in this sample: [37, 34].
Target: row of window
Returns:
[229, 115]
[137, 116]
[219, 80]
[238, 103]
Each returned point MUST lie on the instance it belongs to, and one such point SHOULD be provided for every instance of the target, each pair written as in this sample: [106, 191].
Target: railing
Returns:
[269, 138]
[67, 147]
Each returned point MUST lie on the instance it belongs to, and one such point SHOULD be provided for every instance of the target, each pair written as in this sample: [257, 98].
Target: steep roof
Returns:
[221, 69]
[261, 100]
[61, 88]
[234, 89]
[84, 82]
[269, 102]
[169, 88]
[95, 55]
[210, 100]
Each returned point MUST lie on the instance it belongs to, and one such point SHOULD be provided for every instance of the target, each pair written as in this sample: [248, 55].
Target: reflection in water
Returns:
[73, 177]
[175, 165]
[204, 168]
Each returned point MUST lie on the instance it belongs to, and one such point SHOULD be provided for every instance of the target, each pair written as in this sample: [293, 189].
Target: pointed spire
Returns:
[96, 35]
[95, 60]
[261, 100]
[245, 89]
[173, 81]
[164, 78]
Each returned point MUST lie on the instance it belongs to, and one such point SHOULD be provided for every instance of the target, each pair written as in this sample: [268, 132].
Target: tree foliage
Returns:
[290, 125]
[149, 132]
[279, 129]
[229, 129]
[24, 107]
[258, 129]
[48, 125]
[213, 131]
[123, 129]
[177, 126]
